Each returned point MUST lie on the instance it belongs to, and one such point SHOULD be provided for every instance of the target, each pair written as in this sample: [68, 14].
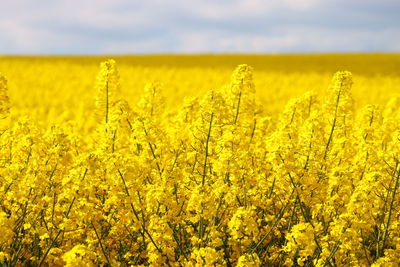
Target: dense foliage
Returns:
[215, 182]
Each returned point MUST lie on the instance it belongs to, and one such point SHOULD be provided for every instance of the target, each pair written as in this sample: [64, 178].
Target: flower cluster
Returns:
[216, 183]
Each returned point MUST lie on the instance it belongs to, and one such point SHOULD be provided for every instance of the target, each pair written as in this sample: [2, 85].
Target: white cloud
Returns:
[292, 39]
[218, 42]
[131, 26]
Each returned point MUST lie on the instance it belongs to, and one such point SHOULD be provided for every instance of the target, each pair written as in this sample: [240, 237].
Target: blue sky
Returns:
[198, 26]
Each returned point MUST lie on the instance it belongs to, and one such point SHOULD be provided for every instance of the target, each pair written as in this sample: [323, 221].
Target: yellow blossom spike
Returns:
[107, 86]
[242, 79]
[4, 99]
[339, 94]
[242, 90]
[153, 101]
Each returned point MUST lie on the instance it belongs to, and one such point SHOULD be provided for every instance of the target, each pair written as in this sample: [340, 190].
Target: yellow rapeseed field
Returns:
[235, 160]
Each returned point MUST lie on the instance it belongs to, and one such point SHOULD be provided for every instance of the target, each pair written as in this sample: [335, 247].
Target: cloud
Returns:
[156, 26]
[293, 39]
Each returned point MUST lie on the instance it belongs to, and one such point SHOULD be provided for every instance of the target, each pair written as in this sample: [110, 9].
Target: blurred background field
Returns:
[55, 89]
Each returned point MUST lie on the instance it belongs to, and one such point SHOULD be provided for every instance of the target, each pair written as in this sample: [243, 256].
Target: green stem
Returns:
[386, 234]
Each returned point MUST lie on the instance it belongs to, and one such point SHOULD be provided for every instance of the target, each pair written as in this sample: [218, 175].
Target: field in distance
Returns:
[289, 160]
[47, 87]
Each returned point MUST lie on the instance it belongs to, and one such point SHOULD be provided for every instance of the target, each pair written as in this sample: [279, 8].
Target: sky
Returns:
[198, 26]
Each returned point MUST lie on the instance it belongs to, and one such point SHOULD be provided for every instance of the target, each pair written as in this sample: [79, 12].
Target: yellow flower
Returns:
[79, 255]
